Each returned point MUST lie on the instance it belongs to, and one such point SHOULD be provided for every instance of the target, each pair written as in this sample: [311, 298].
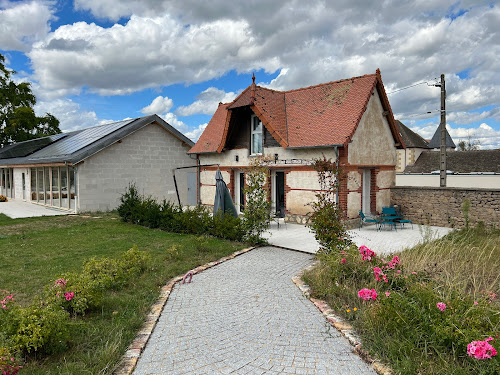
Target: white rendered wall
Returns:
[146, 158]
[459, 181]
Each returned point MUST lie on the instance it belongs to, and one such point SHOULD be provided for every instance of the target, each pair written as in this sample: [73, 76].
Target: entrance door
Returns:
[279, 193]
[192, 199]
[24, 185]
[366, 190]
[239, 191]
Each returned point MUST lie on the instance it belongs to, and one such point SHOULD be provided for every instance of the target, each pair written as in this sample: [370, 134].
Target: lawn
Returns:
[430, 302]
[36, 251]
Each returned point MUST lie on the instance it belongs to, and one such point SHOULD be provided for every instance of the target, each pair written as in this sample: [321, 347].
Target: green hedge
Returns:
[169, 217]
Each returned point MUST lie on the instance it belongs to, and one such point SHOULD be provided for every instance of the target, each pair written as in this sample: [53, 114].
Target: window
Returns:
[256, 146]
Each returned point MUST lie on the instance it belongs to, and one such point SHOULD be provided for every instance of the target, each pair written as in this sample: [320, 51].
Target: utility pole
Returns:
[442, 152]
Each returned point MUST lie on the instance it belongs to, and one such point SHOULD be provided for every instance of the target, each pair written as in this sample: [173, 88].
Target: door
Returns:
[279, 193]
[192, 199]
[367, 177]
[239, 191]
[24, 185]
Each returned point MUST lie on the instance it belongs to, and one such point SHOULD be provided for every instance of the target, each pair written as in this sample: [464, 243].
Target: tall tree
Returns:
[18, 121]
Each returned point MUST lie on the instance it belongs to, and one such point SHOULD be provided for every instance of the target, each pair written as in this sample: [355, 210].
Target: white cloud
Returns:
[194, 134]
[159, 105]
[146, 52]
[70, 115]
[22, 23]
[207, 102]
[488, 137]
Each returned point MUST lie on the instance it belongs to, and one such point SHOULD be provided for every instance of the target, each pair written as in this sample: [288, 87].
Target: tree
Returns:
[257, 215]
[469, 144]
[326, 218]
[18, 121]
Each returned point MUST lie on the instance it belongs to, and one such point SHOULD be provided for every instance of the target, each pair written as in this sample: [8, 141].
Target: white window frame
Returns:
[254, 132]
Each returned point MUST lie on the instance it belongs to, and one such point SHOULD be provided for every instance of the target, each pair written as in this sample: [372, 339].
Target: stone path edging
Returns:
[134, 351]
[339, 323]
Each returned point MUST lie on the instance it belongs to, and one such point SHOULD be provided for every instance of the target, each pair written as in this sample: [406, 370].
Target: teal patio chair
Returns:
[368, 219]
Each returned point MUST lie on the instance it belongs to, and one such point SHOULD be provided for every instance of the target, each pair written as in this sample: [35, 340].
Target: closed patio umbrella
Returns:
[223, 201]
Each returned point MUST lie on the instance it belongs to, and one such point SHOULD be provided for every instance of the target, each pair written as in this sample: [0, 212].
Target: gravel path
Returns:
[245, 316]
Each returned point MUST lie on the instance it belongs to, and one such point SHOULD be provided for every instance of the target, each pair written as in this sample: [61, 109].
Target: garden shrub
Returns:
[40, 327]
[170, 217]
[9, 365]
[228, 227]
[413, 323]
[257, 214]
[129, 203]
[326, 218]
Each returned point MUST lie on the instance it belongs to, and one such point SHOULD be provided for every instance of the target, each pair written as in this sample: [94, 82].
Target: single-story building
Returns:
[465, 169]
[349, 121]
[89, 169]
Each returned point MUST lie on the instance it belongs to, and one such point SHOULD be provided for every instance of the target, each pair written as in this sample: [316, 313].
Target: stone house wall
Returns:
[443, 206]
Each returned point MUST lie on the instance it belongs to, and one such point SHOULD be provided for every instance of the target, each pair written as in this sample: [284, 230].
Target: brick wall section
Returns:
[443, 206]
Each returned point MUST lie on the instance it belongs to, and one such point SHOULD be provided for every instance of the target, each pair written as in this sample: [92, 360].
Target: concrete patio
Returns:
[17, 209]
[385, 241]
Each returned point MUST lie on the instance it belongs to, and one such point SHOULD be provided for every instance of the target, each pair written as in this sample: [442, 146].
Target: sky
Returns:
[95, 61]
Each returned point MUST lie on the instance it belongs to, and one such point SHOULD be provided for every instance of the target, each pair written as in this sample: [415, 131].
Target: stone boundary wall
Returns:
[443, 206]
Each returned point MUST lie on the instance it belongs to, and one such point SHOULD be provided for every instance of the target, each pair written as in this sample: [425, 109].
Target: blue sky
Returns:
[93, 61]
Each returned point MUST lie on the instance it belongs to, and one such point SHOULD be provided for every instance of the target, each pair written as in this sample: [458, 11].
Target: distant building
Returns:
[414, 145]
[466, 169]
[89, 169]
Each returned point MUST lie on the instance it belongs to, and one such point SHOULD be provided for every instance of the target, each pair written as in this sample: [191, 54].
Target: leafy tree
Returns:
[18, 121]
[257, 215]
[326, 218]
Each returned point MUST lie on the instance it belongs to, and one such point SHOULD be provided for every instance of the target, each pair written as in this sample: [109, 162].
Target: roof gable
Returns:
[436, 139]
[410, 138]
[321, 115]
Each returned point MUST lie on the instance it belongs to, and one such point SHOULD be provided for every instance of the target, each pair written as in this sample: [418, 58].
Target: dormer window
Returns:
[256, 146]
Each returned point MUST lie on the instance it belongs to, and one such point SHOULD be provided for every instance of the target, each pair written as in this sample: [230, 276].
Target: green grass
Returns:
[406, 330]
[37, 251]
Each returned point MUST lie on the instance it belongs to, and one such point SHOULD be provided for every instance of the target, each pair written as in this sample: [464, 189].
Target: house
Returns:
[89, 169]
[414, 145]
[349, 121]
[466, 169]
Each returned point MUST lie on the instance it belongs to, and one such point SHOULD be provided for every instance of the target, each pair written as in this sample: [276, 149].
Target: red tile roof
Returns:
[321, 115]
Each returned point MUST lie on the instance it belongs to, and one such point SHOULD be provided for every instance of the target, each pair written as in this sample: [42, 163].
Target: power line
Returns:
[416, 84]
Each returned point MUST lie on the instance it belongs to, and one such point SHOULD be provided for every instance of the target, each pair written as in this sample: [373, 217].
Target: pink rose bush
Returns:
[8, 299]
[481, 349]
[69, 296]
[366, 253]
[367, 294]
[441, 306]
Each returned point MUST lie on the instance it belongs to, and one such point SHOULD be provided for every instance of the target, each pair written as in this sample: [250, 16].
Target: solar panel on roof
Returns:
[80, 140]
[21, 149]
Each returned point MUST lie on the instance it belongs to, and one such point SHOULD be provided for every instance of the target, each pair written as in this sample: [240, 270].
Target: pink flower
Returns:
[387, 294]
[441, 306]
[378, 272]
[481, 349]
[367, 294]
[69, 296]
[475, 302]
[343, 260]
[366, 253]
[60, 283]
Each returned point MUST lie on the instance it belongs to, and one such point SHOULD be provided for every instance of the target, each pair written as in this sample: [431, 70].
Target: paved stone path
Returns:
[245, 316]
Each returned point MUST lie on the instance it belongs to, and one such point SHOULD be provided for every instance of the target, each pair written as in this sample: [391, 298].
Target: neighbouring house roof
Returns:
[322, 115]
[76, 146]
[410, 138]
[481, 161]
[436, 139]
